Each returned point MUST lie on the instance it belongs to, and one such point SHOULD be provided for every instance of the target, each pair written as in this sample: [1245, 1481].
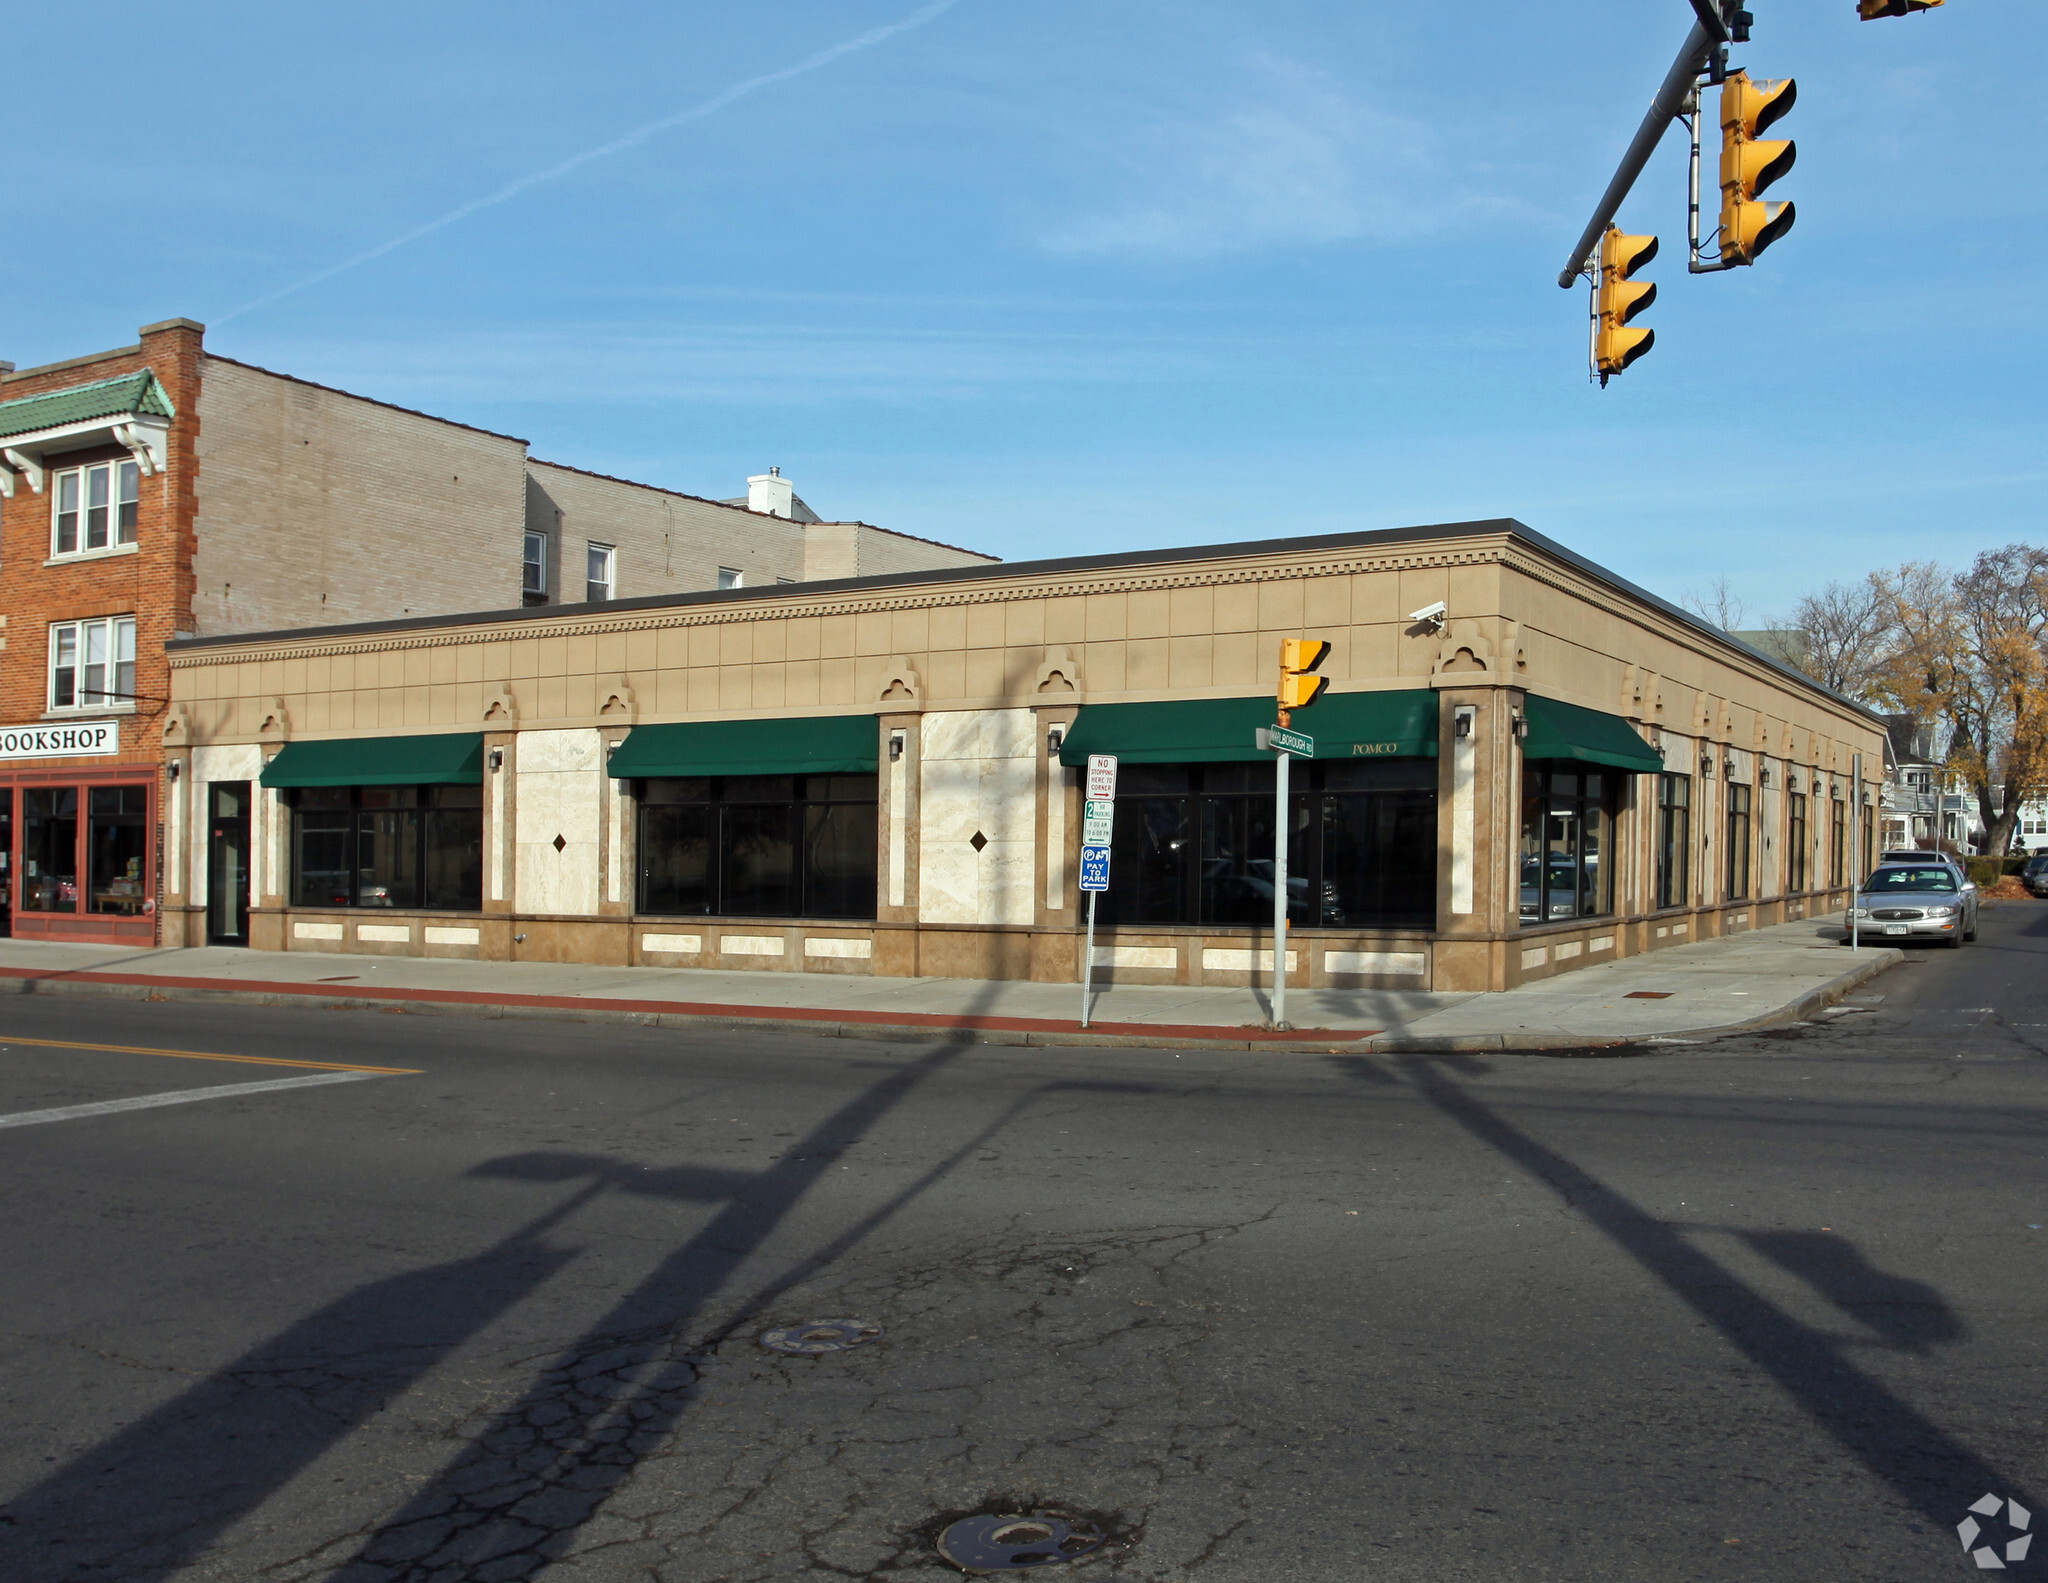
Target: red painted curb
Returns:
[689, 1008]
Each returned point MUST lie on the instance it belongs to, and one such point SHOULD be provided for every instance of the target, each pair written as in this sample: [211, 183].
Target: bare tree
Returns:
[1717, 604]
[1972, 653]
[1848, 632]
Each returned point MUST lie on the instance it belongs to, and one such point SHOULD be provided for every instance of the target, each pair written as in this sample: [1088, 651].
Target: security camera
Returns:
[1435, 612]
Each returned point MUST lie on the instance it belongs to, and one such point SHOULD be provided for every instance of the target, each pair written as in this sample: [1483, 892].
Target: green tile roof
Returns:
[103, 398]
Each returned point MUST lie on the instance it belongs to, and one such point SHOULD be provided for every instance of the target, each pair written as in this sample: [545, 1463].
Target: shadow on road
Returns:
[543, 1466]
[186, 1471]
[1930, 1470]
[1908, 1314]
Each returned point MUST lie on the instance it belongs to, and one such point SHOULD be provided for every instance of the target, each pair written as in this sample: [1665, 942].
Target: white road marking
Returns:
[181, 1096]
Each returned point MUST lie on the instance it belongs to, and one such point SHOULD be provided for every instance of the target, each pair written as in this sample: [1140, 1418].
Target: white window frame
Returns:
[597, 590]
[731, 577]
[112, 638]
[122, 526]
[526, 560]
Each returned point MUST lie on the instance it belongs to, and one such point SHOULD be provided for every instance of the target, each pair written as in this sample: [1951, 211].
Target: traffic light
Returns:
[1748, 166]
[1619, 299]
[1298, 658]
[1871, 10]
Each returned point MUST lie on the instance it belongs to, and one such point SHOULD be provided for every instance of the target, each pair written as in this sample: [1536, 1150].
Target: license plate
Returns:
[1895, 928]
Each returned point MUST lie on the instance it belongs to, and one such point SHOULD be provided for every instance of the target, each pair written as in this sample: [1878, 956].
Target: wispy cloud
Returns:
[1292, 160]
[618, 145]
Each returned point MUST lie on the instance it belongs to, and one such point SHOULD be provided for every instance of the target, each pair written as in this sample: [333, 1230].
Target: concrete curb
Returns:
[926, 1029]
[934, 1029]
[1824, 995]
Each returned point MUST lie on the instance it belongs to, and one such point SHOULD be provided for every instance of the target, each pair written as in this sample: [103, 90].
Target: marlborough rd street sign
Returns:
[1278, 739]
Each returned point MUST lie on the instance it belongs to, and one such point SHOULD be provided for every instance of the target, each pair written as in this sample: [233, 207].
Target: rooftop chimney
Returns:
[770, 492]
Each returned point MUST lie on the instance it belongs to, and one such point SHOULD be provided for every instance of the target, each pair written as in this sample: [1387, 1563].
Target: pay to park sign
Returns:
[1098, 813]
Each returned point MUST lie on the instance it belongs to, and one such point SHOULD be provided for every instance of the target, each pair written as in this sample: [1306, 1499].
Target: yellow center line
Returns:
[205, 1055]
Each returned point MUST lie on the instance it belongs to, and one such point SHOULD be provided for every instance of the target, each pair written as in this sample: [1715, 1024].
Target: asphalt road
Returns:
[1765, 1309]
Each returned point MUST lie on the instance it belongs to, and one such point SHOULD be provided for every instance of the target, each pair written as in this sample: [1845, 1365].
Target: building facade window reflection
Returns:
[1193, 843]
[388, 846]
[1736, 847]
[768, 846]
[1567, 866]
[1674, 840]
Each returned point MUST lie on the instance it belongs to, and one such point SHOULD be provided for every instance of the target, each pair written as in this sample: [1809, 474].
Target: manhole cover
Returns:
[1016, 1543]
[819, 1335]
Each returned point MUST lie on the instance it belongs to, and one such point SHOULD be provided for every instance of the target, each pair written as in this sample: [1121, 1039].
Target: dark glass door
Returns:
[227, 863]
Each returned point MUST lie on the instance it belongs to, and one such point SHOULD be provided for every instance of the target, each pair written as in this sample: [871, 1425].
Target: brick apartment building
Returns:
[160, 491]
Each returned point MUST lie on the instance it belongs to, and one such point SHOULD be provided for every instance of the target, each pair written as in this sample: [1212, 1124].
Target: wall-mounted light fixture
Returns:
[1763, 775]
[1055, 735]
[1728, 768]
[1461, 723]
[1706, 766]
[1816, 785]
[895, 746]
[497, 759]
[177, 768]
[1521, 728]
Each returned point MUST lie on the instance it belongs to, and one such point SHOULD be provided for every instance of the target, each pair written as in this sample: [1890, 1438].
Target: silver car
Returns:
[1917, 901]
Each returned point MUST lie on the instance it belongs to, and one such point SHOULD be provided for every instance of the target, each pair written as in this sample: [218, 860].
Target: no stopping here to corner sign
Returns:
[1101, 776]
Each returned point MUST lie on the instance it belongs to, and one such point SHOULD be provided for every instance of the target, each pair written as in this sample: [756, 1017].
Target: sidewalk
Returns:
[1721, 986]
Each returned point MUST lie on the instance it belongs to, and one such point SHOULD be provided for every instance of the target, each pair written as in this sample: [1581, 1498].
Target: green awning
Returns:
[1565, 731]
[1219, 730]
[817, 745]
[456, 760]
[129, 395]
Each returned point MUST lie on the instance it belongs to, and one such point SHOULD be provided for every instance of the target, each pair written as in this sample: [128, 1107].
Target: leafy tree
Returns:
[1971, 653]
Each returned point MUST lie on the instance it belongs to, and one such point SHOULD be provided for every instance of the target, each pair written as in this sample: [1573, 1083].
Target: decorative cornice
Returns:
[937, 598]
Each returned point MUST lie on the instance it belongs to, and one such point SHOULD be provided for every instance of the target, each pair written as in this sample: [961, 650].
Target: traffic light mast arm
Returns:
[1699, 50]
[1693, 265]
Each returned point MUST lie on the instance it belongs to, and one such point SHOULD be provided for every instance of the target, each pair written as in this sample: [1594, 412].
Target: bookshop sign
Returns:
[93, 738]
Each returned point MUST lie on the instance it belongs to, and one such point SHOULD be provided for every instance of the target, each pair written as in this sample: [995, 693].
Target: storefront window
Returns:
[1738, 842]
[1567, 835]
[1194, 844]
[388, 846]
[117, 842]
[770, 846]
[1795, 842]
[49, 849]
[1674, 840]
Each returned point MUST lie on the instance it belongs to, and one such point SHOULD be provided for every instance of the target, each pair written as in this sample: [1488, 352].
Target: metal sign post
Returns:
[1280, 763]
[1855, 847]
[1285, 745]
[1098, 814]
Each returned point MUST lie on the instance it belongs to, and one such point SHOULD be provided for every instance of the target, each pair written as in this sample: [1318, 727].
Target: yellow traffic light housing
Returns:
[1298, 658]
[1871, 10]
[1618, 299]
[1749, 164]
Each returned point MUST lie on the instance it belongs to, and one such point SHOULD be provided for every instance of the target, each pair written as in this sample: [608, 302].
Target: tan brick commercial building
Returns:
[879, 775]
[159, 490]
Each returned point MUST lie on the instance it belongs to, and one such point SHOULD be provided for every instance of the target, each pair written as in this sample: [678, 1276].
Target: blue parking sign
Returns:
[1095, 868]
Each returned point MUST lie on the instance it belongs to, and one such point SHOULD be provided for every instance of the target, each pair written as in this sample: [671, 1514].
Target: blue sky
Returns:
[1056, 277]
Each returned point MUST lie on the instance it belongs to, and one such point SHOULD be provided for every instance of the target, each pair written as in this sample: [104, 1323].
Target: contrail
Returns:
[618, 145]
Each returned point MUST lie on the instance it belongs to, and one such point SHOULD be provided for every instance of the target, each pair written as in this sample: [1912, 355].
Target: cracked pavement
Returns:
[1758, 1309]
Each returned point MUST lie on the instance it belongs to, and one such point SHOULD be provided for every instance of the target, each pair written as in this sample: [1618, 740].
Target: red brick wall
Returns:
[154, 583]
